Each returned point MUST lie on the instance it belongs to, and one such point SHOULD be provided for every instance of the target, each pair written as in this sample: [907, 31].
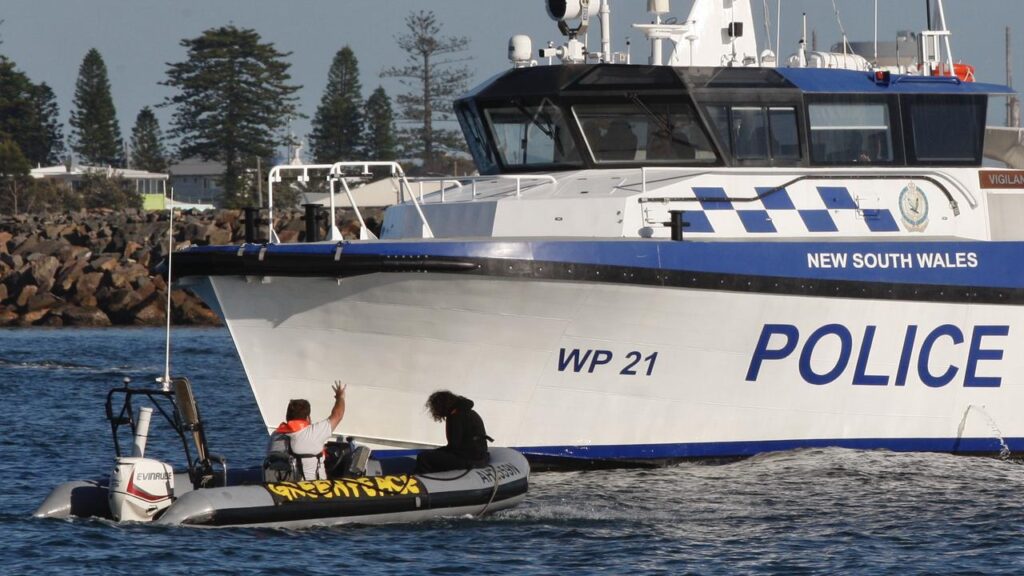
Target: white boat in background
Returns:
[706, 257]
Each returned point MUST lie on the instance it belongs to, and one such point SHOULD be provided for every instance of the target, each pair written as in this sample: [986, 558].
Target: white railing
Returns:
[274, 177]
[335, 174]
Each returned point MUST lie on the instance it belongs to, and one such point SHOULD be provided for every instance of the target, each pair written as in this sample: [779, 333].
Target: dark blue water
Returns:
[813, 511]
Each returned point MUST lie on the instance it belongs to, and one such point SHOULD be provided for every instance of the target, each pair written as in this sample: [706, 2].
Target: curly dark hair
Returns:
[440, 404]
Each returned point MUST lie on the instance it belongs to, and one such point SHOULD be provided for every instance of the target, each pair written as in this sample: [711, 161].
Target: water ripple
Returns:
[799, 512]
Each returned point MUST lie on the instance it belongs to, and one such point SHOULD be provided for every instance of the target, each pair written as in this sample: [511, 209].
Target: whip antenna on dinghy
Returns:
[166, 381]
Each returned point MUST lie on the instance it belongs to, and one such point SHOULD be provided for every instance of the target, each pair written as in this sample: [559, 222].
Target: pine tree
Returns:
[29, 116]
[380, 127]
[433, 81]
[96, 136]
[338, 124]
[147, 143]
[14, 170]
[233, 96]
[16, 110]
[48, 133]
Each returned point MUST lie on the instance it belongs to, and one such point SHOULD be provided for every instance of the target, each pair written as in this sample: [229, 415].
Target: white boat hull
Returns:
[624, 371]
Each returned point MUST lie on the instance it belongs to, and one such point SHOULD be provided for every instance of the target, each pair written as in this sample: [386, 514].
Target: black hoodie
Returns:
[465, 431]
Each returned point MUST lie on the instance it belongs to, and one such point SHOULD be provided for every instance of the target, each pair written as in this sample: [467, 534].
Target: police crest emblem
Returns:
[913, 208]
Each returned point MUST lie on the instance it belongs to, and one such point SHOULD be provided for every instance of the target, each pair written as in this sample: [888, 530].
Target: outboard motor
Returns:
[140, 488]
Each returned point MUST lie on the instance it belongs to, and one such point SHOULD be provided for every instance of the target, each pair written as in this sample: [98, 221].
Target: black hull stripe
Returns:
[326, 266]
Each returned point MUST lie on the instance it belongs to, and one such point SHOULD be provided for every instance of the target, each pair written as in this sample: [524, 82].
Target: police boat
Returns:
[712, 254]
[361, 488]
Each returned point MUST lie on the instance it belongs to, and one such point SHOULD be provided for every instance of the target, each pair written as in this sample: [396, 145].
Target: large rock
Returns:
[31, 317]
[193, 311]
[14, 261]
[149, 313]
[218, 236]
[144, 287]
[119, 304]
[42, 272]
[84, 316]
[70, 252]
[69, 274]
[104, 263]
[87, 286]
[160, 283]
[131, 247]
[288, 236]
[24, 244]
[41, 301]
[8, 316]
[26, 294]
[5, 237]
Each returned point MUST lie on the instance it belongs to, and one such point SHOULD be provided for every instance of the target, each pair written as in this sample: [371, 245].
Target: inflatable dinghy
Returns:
[368, 491]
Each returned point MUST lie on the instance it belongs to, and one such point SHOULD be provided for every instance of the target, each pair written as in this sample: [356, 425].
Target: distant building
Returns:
[197, 181]
[144, 182]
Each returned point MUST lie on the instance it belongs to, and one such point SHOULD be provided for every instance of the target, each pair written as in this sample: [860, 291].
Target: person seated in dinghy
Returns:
[305, 440]
[464, 430]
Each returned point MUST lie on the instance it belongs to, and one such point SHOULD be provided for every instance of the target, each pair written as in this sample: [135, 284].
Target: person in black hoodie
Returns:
[464, 429]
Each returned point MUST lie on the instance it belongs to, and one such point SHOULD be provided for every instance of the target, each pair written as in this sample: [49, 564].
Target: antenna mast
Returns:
[170, 278]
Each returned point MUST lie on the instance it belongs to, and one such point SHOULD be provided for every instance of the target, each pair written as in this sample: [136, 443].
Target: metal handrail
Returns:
[396, 169]
[804, 174]
[274, 176]
[336, 173]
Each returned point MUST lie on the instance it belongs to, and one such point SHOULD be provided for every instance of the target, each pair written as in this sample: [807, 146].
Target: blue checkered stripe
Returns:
[756, 216]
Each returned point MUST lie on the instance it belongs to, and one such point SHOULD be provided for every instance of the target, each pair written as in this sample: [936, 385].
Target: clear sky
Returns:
[47, 39]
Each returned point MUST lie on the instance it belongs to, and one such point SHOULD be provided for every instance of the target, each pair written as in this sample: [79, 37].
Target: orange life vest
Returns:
[292, 426]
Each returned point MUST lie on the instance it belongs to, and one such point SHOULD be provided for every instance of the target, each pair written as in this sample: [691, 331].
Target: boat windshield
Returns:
[532, 135]
[850, 132]
[648, 132]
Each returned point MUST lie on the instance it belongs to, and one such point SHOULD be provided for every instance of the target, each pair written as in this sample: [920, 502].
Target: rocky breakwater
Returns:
[97, 268]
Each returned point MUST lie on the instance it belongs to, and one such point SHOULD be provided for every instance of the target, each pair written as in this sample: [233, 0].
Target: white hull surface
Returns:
[630, 371]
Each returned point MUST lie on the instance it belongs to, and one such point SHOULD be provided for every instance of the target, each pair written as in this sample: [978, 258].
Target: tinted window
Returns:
[532, 135]
[785, 139]
[473, 132]
[750, 133]
[719, 116]
[850, 133]
[755, 133]
[946, 129]
[647, 132]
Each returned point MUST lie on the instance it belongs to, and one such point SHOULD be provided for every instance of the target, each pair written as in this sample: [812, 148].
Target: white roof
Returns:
[77, 171]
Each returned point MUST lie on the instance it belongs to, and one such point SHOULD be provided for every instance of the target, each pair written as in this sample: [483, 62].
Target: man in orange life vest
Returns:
[305, 440]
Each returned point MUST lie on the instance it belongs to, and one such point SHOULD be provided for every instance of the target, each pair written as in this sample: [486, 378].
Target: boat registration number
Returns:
[633, 363]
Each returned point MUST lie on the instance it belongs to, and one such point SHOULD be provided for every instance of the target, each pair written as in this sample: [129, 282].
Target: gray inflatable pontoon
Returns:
[146, 490]
[372, 499]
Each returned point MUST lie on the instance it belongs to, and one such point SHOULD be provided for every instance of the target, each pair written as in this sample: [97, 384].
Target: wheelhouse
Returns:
[569, 117]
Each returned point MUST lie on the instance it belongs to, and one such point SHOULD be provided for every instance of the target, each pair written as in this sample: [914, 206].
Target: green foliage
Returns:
[380, 127]
[232, 97]
[47, 195]
[338, 124]
[29, 116]
[14, 176]
[114, 192]
[147, 143]
[47, 144]
[95, 134]
[434, 79]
